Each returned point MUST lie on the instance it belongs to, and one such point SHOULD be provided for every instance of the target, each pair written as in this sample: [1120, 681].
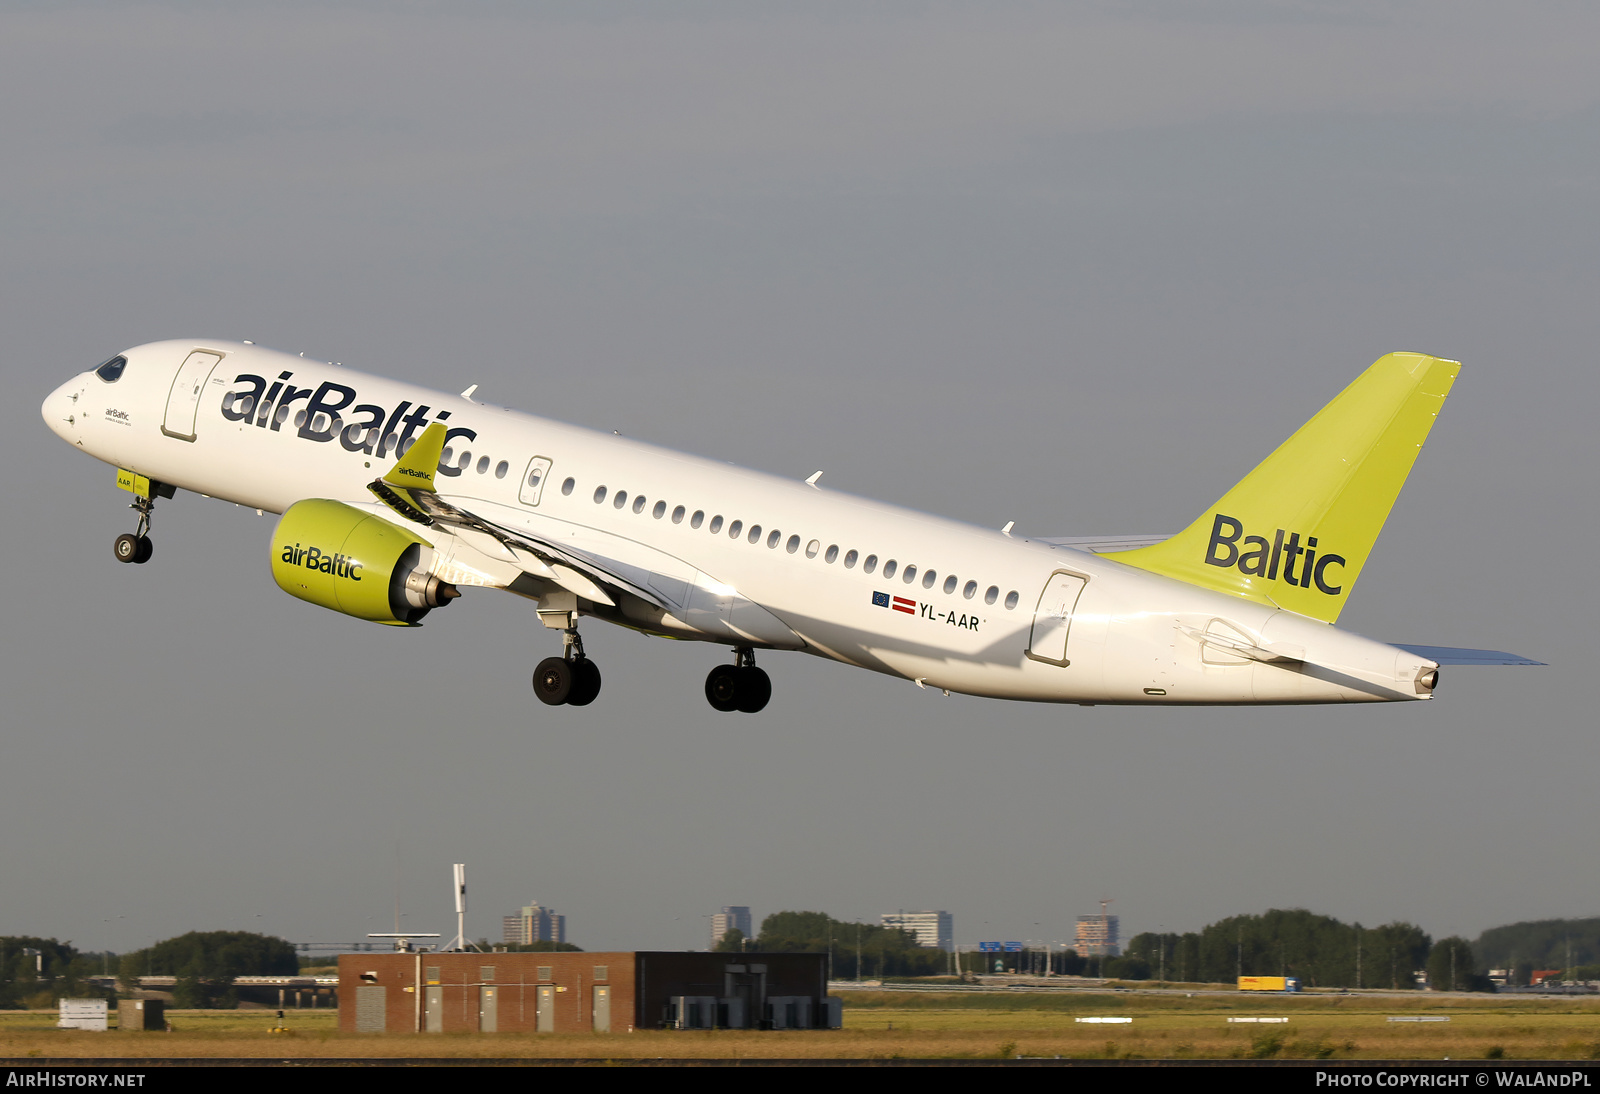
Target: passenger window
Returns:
[928, 578]
[755, 533]
[811, 548]
[638, 504]
[850, 560]
[890, 567]
[677, 515]
[735, 528]
[716, 524]
[567, 487]
[620, 500]
[970, 591]
[910, 575]
[869, 565]
[699, 516]
[1011, 600]
[300, 421]
[501, 468]
[833, 553]
[599, 494]
[950, 585]
[992, 594]
[483, 463]
[776, 538]
[461, 464]
[446, 456]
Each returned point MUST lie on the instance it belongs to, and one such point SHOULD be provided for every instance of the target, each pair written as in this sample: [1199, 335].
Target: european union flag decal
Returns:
[880, 600]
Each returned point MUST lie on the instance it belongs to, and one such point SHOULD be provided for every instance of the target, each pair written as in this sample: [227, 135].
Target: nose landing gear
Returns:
[739, 686]
[569, 680]
[135, 546]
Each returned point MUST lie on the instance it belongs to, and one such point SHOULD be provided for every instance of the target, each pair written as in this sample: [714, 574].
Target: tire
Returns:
[126, 547]
[722, 688]
[552, 681]
[145, 549]
[755, 688]
[585, 683]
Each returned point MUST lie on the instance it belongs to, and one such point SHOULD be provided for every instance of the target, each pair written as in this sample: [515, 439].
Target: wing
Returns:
[409, 489]
[628, 582]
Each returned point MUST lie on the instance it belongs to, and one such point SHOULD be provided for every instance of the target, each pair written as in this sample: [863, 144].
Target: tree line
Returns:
[1319, 950]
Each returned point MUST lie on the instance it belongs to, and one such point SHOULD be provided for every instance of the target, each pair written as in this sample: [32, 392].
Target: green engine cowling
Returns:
[335, 555]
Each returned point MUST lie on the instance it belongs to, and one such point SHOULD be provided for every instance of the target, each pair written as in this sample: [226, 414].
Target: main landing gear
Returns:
[569, 680]
[135, 546]
[739, 686]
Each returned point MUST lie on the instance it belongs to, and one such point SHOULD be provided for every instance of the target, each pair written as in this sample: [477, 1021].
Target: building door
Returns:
[371, 1008]
[602, 1008]
[488, 1013]
[545, 1010]
[433, 1009]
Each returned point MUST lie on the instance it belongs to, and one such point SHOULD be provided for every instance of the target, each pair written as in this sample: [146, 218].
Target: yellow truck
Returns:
[1269, 983]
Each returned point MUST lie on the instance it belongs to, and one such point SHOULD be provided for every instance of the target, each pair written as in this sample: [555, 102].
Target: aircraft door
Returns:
[183, 401]
[1052, 619]
[533, 480]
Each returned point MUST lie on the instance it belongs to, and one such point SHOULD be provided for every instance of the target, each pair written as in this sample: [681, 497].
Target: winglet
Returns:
[415, 470]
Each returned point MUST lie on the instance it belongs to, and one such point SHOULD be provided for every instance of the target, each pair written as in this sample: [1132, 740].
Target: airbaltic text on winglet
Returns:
[312, 558]
[1260, 558]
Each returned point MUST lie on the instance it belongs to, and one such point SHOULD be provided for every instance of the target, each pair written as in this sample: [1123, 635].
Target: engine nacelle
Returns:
[332, 554]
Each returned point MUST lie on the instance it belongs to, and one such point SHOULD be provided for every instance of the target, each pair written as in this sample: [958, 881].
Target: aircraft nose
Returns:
[62, 410]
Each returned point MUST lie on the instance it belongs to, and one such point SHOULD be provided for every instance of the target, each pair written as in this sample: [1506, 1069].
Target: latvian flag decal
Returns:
[898, 603]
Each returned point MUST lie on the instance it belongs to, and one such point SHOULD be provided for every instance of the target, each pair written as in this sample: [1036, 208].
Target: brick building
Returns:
[582, 992]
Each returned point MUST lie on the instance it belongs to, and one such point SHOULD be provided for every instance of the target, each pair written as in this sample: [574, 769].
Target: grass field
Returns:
[886, 1025]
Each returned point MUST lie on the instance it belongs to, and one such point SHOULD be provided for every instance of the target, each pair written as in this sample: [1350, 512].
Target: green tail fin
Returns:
[1297, 530]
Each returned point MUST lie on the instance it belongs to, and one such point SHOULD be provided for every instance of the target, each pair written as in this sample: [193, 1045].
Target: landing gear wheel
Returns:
[585, 683]
[127, 547]
[552, 681]
[143, 554]
[722, 688]
[755, 688]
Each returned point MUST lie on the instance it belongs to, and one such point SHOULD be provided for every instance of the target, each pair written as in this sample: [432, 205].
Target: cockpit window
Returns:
[111, 371]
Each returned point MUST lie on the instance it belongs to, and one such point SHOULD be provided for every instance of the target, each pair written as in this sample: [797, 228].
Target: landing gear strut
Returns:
[569, 680]
[739, 686]
[135, 546]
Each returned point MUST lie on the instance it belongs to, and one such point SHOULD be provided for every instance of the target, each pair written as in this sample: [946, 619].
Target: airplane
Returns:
[394, 498]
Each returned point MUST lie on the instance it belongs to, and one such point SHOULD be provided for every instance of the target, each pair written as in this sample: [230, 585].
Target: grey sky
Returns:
[1080, 266]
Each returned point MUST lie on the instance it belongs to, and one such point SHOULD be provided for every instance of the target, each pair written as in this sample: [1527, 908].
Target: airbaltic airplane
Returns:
[394, 497]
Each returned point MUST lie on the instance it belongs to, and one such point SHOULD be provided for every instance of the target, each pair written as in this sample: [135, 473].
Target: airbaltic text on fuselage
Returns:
[312, 558]
[1260, 558]
[369, 428]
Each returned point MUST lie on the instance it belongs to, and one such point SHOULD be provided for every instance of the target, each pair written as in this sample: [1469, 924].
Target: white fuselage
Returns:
[802, 583]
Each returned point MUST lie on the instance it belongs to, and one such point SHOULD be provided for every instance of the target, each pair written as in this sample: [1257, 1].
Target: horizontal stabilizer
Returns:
[1102, 544]
[1450, 655]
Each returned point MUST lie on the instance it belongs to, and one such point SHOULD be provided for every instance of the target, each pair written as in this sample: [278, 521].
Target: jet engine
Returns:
[335, 555]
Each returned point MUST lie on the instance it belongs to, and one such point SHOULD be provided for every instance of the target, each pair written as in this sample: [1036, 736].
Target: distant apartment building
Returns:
[534, 924]
[735, 917]
[1097, 936]
[935, 930]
